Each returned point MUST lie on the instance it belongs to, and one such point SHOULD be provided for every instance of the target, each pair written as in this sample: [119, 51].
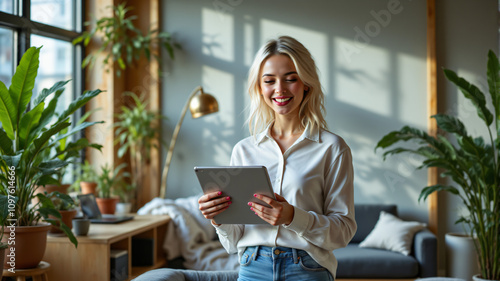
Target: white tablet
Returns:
[240, 183]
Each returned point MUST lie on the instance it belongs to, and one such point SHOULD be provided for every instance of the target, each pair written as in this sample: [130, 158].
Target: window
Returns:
[7, 6]
[6, 55]
[52, 24]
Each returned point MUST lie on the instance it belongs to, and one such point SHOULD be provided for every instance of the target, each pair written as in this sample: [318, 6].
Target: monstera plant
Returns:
[26, 135]
[472, 163]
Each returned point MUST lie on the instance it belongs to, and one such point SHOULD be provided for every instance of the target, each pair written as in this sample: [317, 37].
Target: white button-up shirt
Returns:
[315, 175]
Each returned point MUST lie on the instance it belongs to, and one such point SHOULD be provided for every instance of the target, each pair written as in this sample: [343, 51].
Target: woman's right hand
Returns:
[213, 203]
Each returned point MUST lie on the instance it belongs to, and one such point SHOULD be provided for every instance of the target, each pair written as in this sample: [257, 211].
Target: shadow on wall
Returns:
[371, 57]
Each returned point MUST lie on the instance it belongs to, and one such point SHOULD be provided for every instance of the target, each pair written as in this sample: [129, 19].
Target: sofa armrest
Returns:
[425, 250]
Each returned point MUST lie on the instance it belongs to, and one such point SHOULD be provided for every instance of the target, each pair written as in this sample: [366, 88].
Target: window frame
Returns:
[23, 27]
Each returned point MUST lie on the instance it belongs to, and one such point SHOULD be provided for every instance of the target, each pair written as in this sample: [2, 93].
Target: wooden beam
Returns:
[432, 176]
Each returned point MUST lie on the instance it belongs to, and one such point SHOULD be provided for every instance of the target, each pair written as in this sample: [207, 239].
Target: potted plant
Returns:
[122, 41]
[24, 137]
[66, 207]
[471, 162]
[86, 179]
[125, 193]
[108, 181]
[138, 132]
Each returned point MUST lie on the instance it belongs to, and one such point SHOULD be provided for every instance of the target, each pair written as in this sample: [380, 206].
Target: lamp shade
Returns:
[203, 104]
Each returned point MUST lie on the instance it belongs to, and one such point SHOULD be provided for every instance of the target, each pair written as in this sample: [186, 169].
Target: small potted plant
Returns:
[66, 207]
[108, 181]
[125, 193]
[86, 179]
[138, 132]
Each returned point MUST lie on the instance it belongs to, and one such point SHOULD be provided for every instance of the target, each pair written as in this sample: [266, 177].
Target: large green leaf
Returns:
[472, 93]
[28, 122]
[79, 102]
[438, 187]
[49, 112]
[5, 143]
[46, 92]
[450, 124]
[75, 130]
[23, 82]
[7, 111]
[52, 166]
[42, 141]
[12, 160]
[493, 74]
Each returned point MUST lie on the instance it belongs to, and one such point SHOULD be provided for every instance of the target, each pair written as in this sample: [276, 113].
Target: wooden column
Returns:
[432, 101]
[140, 78]
[143, 79]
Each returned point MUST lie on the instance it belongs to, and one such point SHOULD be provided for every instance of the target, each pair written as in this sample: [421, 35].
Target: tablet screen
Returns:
[240, 183]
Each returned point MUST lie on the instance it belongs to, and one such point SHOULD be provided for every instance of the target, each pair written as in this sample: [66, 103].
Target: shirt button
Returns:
[276, 252]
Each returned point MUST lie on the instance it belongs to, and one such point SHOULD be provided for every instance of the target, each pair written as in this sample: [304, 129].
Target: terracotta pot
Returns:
[2, 257]
[30, 243]
[107, 205]
[67, 218]
[88, 187]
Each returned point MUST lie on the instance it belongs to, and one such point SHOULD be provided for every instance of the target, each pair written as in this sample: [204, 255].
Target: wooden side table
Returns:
[91, 260]
[38, 273]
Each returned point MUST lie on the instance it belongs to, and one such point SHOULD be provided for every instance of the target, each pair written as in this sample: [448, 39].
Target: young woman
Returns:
[310, 169]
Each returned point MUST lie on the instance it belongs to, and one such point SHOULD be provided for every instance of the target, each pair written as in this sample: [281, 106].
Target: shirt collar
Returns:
[307, 134]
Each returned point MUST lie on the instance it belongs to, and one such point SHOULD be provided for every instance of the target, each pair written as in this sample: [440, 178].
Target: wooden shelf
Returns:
[91, 260]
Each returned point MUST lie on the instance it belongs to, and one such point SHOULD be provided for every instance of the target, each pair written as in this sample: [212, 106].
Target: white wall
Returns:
[371, 55]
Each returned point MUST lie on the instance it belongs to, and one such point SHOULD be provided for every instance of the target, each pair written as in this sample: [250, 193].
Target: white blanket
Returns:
[190, 235]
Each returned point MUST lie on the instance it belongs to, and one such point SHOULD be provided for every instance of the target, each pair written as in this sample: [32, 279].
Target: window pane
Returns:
[56, 64]
[6, 56]
[7, 6]
[53, 12]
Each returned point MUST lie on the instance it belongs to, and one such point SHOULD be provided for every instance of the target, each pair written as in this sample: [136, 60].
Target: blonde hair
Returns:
[312, 107]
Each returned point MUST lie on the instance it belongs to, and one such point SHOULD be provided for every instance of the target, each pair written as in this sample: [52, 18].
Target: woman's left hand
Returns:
[280, 212]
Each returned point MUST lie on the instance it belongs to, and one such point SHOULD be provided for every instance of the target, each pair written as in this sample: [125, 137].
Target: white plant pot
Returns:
[477, 278]
[461, 256]
[123, 208]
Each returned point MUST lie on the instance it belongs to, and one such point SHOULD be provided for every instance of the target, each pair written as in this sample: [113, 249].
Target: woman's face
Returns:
[281, 86]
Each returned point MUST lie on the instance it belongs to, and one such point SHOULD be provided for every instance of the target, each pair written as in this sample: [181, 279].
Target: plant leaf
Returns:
[46, 92]
[493, 74]
[28, 122]
[433, 188]
[23, 82]
[472, 93]
[5, 143]
[7, 111]
[79, 102]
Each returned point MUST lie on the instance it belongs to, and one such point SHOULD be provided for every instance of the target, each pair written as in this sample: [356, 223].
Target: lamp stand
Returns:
[163, 187]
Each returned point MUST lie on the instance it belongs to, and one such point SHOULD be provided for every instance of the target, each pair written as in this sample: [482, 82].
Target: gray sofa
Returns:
[353, 261]
[356, 262]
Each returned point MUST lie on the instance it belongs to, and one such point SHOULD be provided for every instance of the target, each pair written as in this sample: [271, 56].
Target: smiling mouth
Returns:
[282, 101]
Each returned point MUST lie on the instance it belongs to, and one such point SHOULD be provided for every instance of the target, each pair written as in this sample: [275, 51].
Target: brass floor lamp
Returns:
[199, 105]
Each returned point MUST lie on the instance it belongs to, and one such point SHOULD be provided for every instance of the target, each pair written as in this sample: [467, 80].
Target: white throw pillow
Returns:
[393, 234]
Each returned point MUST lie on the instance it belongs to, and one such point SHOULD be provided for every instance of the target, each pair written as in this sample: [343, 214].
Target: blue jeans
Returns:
[260, 263]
